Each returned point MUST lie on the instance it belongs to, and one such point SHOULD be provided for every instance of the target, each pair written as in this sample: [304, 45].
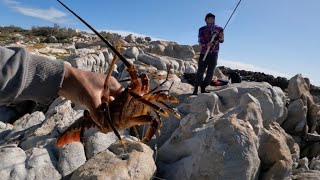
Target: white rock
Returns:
[49, 50]
[130, 38]
[157, 49]
[315, 163]
[155, 61]
[274, 153]
[311, 174]
[297, 87]
[96, 142]
[71, 157]
[297, 117]
[272, 103]
[114, 164]
[40, 165]
[179, 51]
[12, 164]
[25, 126]
[3, 125]
[94, 62]
[37, 141]
[58, 119]
[132, 52]
[213, 151]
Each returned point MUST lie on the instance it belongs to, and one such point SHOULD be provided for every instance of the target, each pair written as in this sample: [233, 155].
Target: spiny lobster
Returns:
[132, 107]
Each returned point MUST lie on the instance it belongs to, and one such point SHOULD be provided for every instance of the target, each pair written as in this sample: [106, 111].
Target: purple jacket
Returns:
[205, 35]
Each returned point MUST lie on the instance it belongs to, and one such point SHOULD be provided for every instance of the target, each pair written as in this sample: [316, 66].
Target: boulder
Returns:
[155, 61]
[90, 62]
[297, 87]
[71, 157]
[96, 142]
[25, 126]
[40, 165]
[311, 174]
[12, 164]
[132, 52]
[58, 119]
[274, 153]
[297, 117]
[5, 129]
[133, 162]
[157, 49]
[271, 99]
[212, 153]
[315, 163]
[179, 51]
[130, 38]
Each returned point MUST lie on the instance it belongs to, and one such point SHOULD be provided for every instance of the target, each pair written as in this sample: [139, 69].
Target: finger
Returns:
[114, 87]
[94, 108]
[96, 115]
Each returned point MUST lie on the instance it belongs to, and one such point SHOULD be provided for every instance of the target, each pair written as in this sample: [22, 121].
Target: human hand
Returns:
[210, 44]
[86, 88]
[221, 37]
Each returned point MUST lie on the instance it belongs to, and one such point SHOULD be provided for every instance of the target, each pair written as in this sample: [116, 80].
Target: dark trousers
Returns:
[210, 64]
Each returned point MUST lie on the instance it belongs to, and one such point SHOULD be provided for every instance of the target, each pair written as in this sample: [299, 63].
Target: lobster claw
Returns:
[152, 129]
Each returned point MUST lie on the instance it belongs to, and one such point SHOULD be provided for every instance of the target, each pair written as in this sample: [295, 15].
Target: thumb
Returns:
[96, 115]
[94, 107]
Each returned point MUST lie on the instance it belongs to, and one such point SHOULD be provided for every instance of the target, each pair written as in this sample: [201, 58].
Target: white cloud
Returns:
[51, 14]
[126, 33]
[10, 2]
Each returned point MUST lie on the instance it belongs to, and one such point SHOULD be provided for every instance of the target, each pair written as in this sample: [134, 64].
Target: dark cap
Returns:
[210, 15]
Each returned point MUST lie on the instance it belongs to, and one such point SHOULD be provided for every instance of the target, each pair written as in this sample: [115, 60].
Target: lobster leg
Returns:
[159, 122]
[148, 103]
[139, 120]
[154, 125]
[136, 131]
[160, 98]
[174, 112]
[106, 98]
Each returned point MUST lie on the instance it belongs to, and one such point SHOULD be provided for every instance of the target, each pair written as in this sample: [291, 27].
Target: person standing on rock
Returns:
[210, 63]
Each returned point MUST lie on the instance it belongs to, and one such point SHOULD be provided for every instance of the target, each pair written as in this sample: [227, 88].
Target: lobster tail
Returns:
[69, 137]
[75, 131]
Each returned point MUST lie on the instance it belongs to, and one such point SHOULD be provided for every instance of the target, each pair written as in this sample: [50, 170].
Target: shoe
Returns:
[195, 91]
[203, 90]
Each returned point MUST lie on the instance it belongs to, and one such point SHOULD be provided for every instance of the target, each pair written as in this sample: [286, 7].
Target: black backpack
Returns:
[235, 77]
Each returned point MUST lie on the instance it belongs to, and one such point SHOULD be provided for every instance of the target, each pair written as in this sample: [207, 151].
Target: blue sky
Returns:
[277, 37]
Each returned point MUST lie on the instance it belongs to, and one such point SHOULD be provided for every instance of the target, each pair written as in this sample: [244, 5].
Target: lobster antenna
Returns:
[100, 36]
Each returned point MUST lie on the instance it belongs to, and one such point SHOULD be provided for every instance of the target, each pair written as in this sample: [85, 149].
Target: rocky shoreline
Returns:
[281, 82]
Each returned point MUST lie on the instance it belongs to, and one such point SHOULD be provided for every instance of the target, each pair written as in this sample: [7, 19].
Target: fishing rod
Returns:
[216, 33]
[99, 35]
